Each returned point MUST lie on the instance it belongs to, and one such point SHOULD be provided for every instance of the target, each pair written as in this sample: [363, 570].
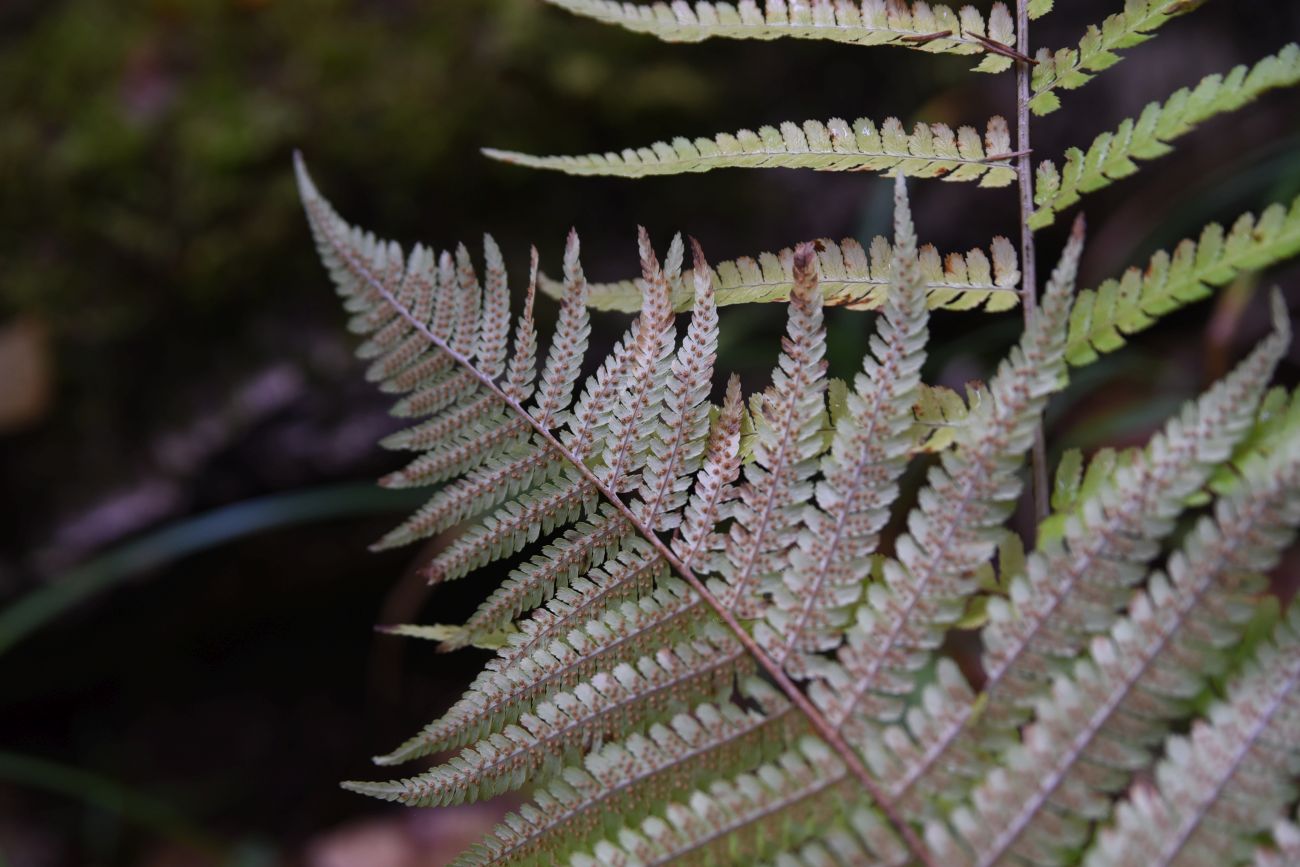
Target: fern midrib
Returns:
[562, 162]
[1192, 821]
[1230, 545]
[591, 600]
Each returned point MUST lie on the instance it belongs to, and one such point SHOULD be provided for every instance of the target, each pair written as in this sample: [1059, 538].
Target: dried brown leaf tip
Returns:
[805, 269]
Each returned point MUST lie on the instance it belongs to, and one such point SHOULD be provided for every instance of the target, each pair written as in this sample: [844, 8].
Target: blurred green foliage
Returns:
[144, 149]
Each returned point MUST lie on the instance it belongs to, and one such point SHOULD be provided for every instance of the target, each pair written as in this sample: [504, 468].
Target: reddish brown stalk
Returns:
[823, 728]
[1028, 251]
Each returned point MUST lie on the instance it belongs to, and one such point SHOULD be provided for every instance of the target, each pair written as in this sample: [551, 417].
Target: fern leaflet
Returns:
[929, 151]
[934, 28]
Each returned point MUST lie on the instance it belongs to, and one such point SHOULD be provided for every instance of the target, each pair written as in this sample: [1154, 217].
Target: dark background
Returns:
[186, 445]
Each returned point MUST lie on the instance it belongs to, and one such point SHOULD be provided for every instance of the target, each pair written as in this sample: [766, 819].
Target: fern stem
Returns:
[1028, 250]
[823, 728]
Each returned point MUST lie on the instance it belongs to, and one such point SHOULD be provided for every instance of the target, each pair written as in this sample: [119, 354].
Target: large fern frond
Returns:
[1104, 316]
[1071, 68]
[927, 27]
[851, 276]
[1229, 780]
[1111, 156]
[929, 151]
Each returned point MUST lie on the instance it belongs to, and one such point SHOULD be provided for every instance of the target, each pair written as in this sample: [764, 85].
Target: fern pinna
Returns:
[706, 652]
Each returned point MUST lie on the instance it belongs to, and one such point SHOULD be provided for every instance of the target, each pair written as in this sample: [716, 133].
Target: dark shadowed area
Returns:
[187, 447]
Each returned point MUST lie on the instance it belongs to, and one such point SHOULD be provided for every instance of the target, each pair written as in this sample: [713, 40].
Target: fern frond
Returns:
[869, 453]
[935, 28]
[1092, 732]
[778, 480]
[1075, 583]
[625, 779]
[1071, 68]
[515, 683]
[1111, 156]
[556, 731]
[587, 544]
[1039, 8]
[714, 486]
[851, 276]
[1118, 308]
[930, 151]
[1229, 780]
[952, 530]
[678, 436]
[750, 817]
[1120, 523]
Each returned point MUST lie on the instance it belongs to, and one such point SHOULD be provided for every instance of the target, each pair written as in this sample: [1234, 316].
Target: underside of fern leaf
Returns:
[1111, 156]
[927, 27]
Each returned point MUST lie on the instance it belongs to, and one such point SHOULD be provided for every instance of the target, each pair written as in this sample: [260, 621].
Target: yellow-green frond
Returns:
[851, 276]
[922, 26]
[1111, 156]
[929, 151]
[1103, 316]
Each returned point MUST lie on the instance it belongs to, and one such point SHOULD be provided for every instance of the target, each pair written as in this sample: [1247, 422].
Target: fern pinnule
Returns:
[569, 343]
[780, 805]
[629, 575]
[1094, 729]
[679, 435]
[1111, 156]
[622, 778]
[1228, 781]
[714, 486]
[851, 276]
[556, 731]
[952, 531]
[778, 479]
[929, 151]
[1104, 316]
[514, 683]
[923, 26]
[587, 544]
[869, 453]
[1071, 68]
